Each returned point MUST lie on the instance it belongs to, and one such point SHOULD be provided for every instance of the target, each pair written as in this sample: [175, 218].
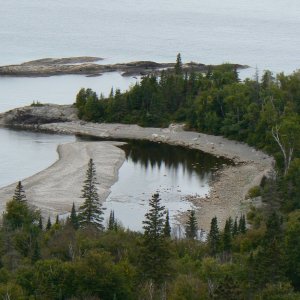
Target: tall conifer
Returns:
[19, 194]
[155, 252]
[214, 236]
[167, 227]
[191, 229]
[90, 212]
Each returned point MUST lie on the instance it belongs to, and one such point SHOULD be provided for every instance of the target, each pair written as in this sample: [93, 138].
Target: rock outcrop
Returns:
[86, 66]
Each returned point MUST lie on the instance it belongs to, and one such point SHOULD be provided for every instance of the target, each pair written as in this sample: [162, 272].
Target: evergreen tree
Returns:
[111, 221]
[74, 218]
[41, 223]
[167, 227]
[19, 194]
[178, 65]
[227, 238]
[36, 252]
[242, 224]
[214, 237]
[155, 252]
[48, 226]
[57, 220]
[235, 229]
[191, 228]
[90, 213]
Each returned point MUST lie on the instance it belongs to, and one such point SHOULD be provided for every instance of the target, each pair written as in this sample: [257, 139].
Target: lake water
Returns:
[24, 153]
[173, 172]
[262, 33]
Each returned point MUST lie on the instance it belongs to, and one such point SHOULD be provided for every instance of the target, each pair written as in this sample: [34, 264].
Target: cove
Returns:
[175, 172]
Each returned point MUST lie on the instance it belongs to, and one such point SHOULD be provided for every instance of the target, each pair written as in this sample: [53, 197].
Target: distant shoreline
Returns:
[89, 66]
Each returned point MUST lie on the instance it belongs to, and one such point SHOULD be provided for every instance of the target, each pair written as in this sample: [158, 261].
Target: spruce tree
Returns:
[167, 227]
[74, 218]
[57, 220]
[48, 226]
[242, 224]
[155, 252]
[19, 194]
[214, 237]
[90, 213]
[111, 221]
[191, 228]
[178, 65]
[235, 229]
[227, 237]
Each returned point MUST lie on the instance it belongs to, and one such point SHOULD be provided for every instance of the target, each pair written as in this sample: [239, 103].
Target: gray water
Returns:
[176, 173]
[24, 153]
[262, 33]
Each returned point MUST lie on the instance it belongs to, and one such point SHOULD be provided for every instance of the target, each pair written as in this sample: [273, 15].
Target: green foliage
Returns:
[36, 104]
[90, 213]
[214, 237]
[48, 226]
[19, 214]
[74, 218]
[19, 194]
[191, 228]
[254, 192]
[167, 226]
[155, 254]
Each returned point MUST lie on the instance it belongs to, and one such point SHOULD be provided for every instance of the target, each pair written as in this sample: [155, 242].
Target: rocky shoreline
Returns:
[88, 66]
[228, 189]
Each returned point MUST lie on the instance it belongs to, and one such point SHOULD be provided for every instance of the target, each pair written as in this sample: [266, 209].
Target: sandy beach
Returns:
[54, 189]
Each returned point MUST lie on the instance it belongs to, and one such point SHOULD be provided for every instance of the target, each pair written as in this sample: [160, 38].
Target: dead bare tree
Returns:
[286, 147]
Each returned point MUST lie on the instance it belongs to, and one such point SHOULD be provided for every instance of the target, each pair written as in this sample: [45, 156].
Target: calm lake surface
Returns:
[24, 153]
[174, 172]
[257, 33]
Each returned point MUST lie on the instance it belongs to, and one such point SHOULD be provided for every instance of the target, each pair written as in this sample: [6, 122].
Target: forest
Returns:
[256, 256]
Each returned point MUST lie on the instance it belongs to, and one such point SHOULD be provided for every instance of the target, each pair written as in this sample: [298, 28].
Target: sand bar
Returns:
[54, 189]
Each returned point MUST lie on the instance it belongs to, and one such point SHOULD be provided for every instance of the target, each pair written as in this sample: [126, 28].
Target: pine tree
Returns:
[57, 220]
[48, 226]
[167, 227]
[19, 194]
[214, 237]
[227, 238]
[90, 213]
[74, 218]
[235, 229]
[191, 229]
[111, 221]
[242, 224]
[178, 65]
[155, 252]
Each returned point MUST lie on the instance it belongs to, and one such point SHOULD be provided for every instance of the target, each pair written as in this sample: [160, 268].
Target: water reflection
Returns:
[175, 172]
